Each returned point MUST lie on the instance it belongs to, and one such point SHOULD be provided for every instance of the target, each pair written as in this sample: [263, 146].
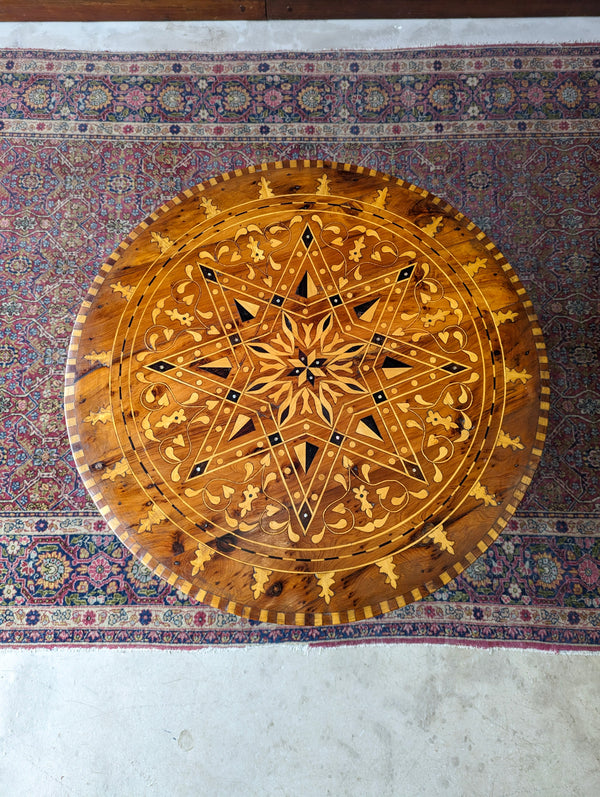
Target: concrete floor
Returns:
[368, 721]
[372, 720]
[300, 35]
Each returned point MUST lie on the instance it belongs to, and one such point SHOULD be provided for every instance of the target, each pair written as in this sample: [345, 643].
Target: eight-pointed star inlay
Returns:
[306, 365]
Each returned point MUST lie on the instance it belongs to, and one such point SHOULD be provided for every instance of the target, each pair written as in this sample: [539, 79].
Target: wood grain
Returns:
[130, 10]
[155, 10]
[307, 392]
[425, 9]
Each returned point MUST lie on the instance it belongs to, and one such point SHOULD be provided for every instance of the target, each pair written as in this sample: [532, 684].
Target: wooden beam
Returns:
[129, 10]
[427, 9]
[185, 10]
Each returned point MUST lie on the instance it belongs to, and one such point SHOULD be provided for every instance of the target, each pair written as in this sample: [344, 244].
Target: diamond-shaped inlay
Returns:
[305, 515]
[198, 469]
[209, 274]
[414, 470]
[454, 368]
[161, 366]
[307, 237]
[405, 273]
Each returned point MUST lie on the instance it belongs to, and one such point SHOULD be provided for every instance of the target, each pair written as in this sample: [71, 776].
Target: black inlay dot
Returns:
[379, 397]
[336, 438]
[233, 395]
[278, 300]
[275, 439]
[335, 300]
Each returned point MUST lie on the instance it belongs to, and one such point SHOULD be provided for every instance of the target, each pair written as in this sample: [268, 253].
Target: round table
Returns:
[307, 392]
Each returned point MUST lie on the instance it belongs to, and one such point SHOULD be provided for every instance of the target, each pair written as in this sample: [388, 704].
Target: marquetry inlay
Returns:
[307, 392]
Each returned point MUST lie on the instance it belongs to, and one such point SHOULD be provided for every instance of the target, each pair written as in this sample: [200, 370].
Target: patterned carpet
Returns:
[91, 144]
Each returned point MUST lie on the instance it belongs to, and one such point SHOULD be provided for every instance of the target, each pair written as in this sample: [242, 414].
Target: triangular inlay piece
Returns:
[221, 367]
[366, 310]
[368, 427]
[306, 287]
[243, 425]
[247, 310]
[391, 367]
[306, 452]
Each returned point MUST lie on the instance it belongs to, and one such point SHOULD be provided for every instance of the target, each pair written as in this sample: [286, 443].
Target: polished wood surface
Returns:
[129, 10]
[425, 9]
[306, 392]
[163, 10]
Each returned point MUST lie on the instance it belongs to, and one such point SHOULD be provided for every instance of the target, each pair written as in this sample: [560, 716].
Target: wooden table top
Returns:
[307, 393]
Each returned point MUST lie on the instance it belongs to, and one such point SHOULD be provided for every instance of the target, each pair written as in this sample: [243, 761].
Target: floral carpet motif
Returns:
[91, 144]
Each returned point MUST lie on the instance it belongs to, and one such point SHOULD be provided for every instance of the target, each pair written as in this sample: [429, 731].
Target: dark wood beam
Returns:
[129, 10]
[427, 9]
[184, 10]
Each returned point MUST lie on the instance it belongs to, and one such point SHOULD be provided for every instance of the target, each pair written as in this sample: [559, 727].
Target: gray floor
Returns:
[301, 35]
[373, 720]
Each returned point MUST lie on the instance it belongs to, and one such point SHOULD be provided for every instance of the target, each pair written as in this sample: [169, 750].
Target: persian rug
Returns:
[90, 144]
